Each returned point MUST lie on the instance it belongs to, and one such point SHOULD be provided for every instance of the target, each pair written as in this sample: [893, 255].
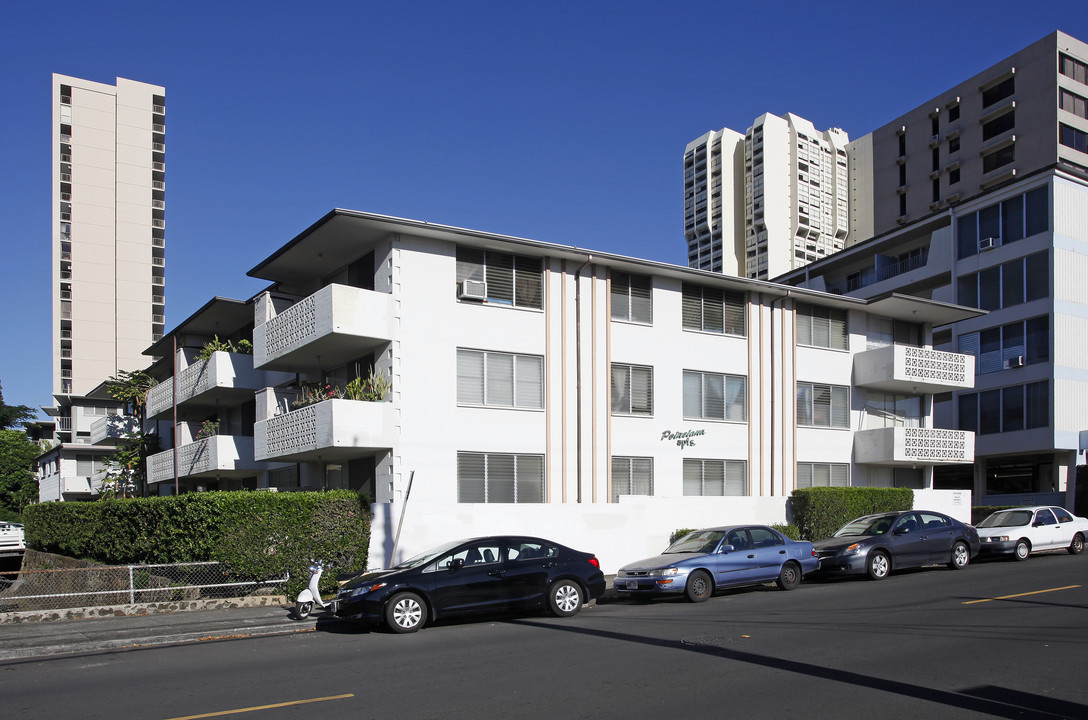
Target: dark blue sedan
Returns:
[722, 557]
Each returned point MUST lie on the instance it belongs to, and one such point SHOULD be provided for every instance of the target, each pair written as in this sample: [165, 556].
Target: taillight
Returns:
[594, 562]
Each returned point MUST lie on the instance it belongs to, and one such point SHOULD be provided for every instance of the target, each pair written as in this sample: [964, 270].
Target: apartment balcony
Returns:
[216, 456]
[330, 327]
[913, 370]
[224, 379]
[113, 428]
[914, 446]
[328, 431]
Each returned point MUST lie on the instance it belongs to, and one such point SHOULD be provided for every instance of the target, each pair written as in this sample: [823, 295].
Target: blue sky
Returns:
[563, 121]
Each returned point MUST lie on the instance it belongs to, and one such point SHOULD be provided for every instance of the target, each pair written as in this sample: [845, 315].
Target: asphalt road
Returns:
[998, 639]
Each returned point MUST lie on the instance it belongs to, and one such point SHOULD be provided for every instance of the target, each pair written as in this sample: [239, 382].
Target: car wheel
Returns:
[1022, 549]
[303, 609]
[404, 613]
[1077, 545]
[961, 556]
[565, 598]
[789, 577]
[699, 587]
[878, 565]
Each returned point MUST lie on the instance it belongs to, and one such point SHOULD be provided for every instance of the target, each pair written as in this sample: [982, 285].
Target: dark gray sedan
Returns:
[875, 545]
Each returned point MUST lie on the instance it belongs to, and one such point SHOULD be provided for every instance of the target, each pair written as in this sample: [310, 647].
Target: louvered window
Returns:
[632, 390]
[632, 298]
[632, 476]
[499, 379]
[822, 475]
[823, 405]
[715, 477]
[823, 327]
[713, 310]
[514, 280]
[499, 478]
[714, 396]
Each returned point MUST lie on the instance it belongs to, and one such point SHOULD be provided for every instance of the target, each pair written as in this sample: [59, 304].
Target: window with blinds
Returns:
[632, 298]
[823, 327]
[714, 396]
[709, 309]
[632, 390]
[498, 379]
[715, 477]
[499, 478]
[822, 475]
[632, 476]
[823, 405]
[514, 280]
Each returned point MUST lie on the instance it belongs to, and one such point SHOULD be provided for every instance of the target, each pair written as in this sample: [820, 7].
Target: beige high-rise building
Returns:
[108, 231]
[768, 201]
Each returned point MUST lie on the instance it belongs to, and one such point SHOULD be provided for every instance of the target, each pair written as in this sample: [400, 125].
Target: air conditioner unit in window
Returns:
[1015, 362]
[472, 290]
[988, 243]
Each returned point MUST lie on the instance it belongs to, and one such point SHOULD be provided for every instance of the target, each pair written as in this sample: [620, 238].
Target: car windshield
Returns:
[424, 558]
[700, 541]
[866, 526]
[1007, 518]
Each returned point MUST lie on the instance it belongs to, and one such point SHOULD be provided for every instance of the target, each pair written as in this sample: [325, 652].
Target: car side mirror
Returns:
[900, 531]
[1038, 523]
[726, 549]
[456, 564]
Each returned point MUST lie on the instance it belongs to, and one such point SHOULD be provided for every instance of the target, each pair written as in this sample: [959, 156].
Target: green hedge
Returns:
[819, 512]
[259, 535]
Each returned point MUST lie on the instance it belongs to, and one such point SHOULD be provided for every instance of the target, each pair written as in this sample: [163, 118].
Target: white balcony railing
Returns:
[332, 430]
[112, 428]
[222, 374]
[337, 323]
[218, 455]
[913, 370]
[914, 446]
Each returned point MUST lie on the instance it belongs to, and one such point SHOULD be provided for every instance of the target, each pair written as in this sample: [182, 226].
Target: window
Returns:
[998, 92]
[632, 298]
[1073, 138]
[632, 390]
[886, 331]
[954, 113]
[1071, 67]
[823, 405]
[954, 145]
[1073, 103]
[713, 396]
[632, 476]
[715, 477]
[953, 176]
[1013, 219]
[1017, 407]
[1002, 123]
[819, 326]
[822, 475]
[499, 379]
[1006, 285]
[713, 310]
[884, 410]
[511, 279]
[998, 158]
[87, 465]
[499, 478]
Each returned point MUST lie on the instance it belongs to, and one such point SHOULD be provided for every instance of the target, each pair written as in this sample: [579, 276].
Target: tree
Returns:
[131, 387]
[18, 480]
[128, 465]
[12, 415]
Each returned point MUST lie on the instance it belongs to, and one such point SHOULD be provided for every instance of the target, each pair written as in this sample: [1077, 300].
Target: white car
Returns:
[11, 536]
[1024, 530]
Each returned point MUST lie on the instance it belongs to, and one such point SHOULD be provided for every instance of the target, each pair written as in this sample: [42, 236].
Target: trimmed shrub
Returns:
[819, 512]
[791, 531]
[259, 535]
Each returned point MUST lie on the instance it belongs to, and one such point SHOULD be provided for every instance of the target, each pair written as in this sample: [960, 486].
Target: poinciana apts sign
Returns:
[683, 438]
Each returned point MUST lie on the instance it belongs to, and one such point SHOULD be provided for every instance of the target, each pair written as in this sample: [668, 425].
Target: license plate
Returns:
[632, 584]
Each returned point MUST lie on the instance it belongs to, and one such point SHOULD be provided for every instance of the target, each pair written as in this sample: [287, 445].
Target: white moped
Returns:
[311, 594]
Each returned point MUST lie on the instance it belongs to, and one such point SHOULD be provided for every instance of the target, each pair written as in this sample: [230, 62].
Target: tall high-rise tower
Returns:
[108, 228]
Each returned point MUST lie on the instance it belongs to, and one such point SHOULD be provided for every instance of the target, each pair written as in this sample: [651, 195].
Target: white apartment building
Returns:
[760, 204]
[108, 240]
[980, 197]
[599, 400]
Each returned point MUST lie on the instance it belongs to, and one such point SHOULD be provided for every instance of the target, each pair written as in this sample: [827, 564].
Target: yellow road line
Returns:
[1006, 597]
[264, 707]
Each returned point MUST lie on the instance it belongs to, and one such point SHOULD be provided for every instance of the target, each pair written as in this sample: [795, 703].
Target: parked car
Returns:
[705, 560]
[878, 544]
[1024, 530]
[485, 575]
[11, 536]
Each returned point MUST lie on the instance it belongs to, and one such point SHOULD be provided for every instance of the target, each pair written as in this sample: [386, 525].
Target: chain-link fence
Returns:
[126, 584]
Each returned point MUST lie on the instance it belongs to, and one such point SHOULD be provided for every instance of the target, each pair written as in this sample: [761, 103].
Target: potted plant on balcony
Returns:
[373, 388]
[208, 428]
[243, 347]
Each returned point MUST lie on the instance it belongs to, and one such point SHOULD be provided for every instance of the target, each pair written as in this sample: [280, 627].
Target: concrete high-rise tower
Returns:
[108, 231]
